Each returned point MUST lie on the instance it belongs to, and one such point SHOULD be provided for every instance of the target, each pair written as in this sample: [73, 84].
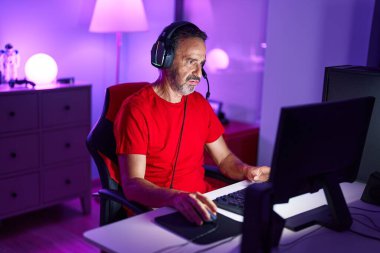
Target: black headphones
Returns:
[162, 53]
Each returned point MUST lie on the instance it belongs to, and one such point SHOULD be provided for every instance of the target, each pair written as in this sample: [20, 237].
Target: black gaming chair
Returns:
[102, 147]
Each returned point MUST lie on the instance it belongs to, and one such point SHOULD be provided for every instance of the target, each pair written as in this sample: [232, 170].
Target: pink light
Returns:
[118, 16]
[217, 59]
[41, 69]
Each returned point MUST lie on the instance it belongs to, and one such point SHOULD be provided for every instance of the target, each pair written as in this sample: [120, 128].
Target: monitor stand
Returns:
[335, 215]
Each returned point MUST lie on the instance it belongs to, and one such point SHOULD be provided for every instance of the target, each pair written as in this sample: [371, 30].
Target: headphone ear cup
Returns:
[162, 53]
[168, 58]
[157, 54]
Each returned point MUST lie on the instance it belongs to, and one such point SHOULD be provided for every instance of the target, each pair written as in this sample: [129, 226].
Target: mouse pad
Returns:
[222, 228]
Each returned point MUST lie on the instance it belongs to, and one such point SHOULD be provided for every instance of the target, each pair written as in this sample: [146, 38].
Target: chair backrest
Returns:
[101, 141]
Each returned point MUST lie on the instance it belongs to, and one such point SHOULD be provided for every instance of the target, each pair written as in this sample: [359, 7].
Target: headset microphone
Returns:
[204, 74]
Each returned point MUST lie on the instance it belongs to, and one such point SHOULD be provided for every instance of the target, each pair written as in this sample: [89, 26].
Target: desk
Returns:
[142, 234]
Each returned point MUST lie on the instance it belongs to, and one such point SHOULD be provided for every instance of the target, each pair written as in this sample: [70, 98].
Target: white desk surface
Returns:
[141, 234]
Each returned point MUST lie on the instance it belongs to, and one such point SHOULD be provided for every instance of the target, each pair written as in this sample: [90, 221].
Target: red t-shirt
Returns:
[149, 125]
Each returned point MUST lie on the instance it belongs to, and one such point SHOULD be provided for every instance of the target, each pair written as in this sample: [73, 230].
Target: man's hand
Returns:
[257, 174]
[194, 206]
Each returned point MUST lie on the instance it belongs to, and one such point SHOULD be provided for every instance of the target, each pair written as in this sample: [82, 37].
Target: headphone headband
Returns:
[162, 53]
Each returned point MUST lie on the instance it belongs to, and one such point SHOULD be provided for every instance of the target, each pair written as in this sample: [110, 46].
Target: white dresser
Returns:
[43, 155]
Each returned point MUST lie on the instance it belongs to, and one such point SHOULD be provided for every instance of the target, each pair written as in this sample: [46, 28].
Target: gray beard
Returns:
[183, 89]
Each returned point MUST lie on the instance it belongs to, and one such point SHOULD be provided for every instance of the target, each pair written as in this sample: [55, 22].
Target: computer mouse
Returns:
[213, 219]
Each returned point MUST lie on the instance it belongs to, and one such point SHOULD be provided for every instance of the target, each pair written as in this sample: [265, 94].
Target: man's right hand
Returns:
[194, 206]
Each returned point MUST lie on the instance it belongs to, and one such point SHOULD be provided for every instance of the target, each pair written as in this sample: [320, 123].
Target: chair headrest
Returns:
[116, 95]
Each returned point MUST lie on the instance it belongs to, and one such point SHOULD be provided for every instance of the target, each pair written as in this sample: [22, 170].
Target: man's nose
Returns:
[198, 70]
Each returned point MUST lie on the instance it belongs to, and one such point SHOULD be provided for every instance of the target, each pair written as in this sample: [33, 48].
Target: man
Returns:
[162, 130]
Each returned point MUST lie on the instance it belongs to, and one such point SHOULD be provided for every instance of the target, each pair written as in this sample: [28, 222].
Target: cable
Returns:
[363, 209]
[304, 237]
[364, 235]
[178, 144]
[205, 233]
[172, 247]
[366, 225]
[375, 226]
[178, 246]
[307, 236]
[218, 244]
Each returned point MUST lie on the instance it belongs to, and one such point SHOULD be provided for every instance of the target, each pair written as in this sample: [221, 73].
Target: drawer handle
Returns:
[13, 154]
[67, 145]
[67, 107]
[14, 195]
[68, 182]
[12, 114]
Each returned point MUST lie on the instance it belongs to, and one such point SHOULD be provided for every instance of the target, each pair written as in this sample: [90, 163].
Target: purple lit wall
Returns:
[60, 28]
[303, 37]
[237, 27]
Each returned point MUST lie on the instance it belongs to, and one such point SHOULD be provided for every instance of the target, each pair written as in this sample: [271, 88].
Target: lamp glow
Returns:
[118, 16]
[217, 59]
[41, 69]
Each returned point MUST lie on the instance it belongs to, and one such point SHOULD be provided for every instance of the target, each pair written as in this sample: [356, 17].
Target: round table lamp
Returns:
[41, 69]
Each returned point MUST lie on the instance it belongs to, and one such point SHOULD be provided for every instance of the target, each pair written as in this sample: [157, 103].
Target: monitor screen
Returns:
[345, 82]
[317, 147]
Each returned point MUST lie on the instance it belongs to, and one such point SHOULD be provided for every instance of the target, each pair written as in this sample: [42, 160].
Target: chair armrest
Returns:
[213, 172]
[119, 198]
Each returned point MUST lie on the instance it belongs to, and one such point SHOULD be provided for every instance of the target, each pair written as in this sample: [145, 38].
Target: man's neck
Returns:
[163, 89]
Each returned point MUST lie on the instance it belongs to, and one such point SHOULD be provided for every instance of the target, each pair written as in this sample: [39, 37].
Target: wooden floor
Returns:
[55, 229]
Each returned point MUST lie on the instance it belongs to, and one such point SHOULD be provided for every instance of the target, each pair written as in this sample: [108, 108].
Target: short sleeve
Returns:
[130, 130]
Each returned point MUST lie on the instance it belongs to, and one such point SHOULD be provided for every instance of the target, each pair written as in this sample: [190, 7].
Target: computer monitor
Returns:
[317, 146]
[345, 82]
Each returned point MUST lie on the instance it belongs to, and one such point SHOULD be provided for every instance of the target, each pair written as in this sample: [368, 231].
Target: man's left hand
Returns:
[257, 174]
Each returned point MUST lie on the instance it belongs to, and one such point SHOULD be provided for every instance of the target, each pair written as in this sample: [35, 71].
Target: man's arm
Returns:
[194, 206]
[231, 166]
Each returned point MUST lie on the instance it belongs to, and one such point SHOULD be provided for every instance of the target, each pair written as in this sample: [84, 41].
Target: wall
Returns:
[237, 27]
[303, 37]
[60, 29]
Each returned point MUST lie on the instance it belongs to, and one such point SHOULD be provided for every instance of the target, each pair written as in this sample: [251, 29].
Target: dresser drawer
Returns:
[64, 145]
[18, 193]
[65, 181]
[19, 153]
[18, 112]
[65, 107]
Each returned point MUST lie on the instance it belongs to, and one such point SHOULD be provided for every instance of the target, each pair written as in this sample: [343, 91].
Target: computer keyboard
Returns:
[233, 202]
